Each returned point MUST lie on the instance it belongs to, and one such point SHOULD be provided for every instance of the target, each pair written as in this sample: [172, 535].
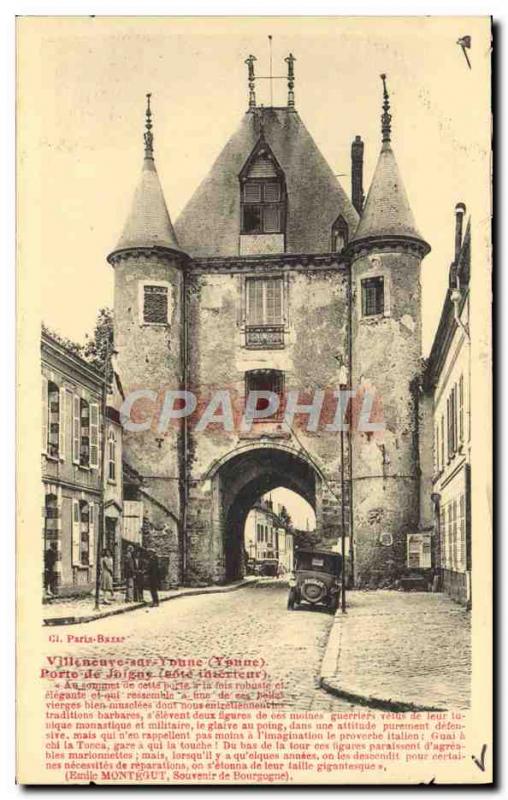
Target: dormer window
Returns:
[263, 193]
[263, 209]
[340, 235]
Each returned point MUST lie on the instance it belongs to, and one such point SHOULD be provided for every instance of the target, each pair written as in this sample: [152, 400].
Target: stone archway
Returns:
[243, 479]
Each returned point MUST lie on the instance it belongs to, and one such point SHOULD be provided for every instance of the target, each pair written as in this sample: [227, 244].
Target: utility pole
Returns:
[342, 385]
[102, 429]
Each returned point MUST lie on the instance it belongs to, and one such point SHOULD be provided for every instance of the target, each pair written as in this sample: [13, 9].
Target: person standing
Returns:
[128, 571]
[138, 576]
[153, 577]
[49, 570]
[107, 576]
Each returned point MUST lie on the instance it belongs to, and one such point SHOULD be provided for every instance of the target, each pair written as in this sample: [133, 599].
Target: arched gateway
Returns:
[242, 478]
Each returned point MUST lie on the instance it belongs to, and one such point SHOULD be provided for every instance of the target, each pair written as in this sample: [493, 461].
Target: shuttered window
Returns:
[84, 439]
[76, 426]
[265, 298]
[155, 305]
[44, 414]
[61, 423]
[75, 533]
[93, 507]
[53, 420]
[111, 456]
[94, 435]
[461, 409]
[263, 206]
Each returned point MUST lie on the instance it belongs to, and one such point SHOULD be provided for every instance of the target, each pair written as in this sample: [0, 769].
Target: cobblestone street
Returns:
[250, 623]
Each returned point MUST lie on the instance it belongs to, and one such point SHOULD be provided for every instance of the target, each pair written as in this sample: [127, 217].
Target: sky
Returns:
[81, 111]
[81, 102]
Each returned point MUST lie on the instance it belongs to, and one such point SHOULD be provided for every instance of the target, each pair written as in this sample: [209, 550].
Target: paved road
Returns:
[248, 623]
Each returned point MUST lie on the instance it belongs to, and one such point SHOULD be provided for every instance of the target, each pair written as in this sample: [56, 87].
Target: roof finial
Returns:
[290, 60]
[252, 81]
[148, 135]
[386, 117]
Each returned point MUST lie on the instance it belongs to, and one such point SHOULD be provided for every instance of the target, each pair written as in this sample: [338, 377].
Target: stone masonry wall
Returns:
[387, 364]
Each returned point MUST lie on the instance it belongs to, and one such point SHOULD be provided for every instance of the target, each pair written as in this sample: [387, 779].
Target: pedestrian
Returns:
[49, 570]
[128, 571]
[139, 578]
[153, 576]
[107, 576]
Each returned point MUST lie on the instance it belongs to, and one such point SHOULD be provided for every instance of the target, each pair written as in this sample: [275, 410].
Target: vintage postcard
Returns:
[254, 539]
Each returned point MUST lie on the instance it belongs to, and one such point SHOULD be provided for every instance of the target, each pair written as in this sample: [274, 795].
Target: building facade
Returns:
[448, 383]
[273, 281]
[71, 468]
[267, 537]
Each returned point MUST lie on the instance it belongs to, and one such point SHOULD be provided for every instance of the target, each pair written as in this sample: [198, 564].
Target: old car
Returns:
[316, 579]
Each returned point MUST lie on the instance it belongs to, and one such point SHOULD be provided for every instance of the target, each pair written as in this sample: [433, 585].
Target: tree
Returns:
[284, 517]
[99, 347]
[304, 539]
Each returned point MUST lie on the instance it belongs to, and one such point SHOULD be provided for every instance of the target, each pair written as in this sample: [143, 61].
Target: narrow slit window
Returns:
[373, 298]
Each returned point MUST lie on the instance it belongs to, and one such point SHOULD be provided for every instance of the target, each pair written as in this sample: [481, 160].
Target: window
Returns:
[419, 551]
[83, 533]
[461, 409]
[155, 304]
[112, 456]
[263, 208]
[339, 235]
[53, 419]
[265, 301]
[373, 302]
[436, 450]
[442, 442]
[85, 433]
[265, 380]
[84, 438]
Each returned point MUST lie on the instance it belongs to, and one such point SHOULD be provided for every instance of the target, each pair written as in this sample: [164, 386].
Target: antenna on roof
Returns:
[271, 71]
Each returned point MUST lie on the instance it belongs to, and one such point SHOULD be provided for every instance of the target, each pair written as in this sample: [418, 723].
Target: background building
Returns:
[268, 537]
[448, 383]
[71, 467]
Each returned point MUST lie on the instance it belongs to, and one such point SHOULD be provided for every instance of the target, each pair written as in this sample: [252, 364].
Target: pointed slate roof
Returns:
[148, 223]
[209, 225]
[387, 212]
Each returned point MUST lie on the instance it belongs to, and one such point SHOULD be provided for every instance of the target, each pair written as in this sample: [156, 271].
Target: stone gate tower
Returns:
[148, 264]
[386, 253]
[273, 280]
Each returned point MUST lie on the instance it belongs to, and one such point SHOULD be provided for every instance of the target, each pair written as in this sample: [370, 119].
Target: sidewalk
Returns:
[400, 651]
[76, 610]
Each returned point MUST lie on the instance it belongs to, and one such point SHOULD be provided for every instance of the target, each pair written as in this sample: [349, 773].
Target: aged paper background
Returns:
[51, 262]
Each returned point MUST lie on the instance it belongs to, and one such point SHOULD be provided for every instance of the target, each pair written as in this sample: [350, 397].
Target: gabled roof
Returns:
[209, 225]
[148, 223]
[387, 211]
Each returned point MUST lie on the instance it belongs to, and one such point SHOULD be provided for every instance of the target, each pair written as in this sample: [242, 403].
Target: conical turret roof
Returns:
[148, 223]
[387, 212]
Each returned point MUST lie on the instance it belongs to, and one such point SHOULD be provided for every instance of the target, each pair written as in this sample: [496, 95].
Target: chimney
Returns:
[357, 173]
[460, 210]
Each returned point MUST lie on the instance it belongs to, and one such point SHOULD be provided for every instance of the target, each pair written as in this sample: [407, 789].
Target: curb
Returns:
[74, 620]
[329, 671]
